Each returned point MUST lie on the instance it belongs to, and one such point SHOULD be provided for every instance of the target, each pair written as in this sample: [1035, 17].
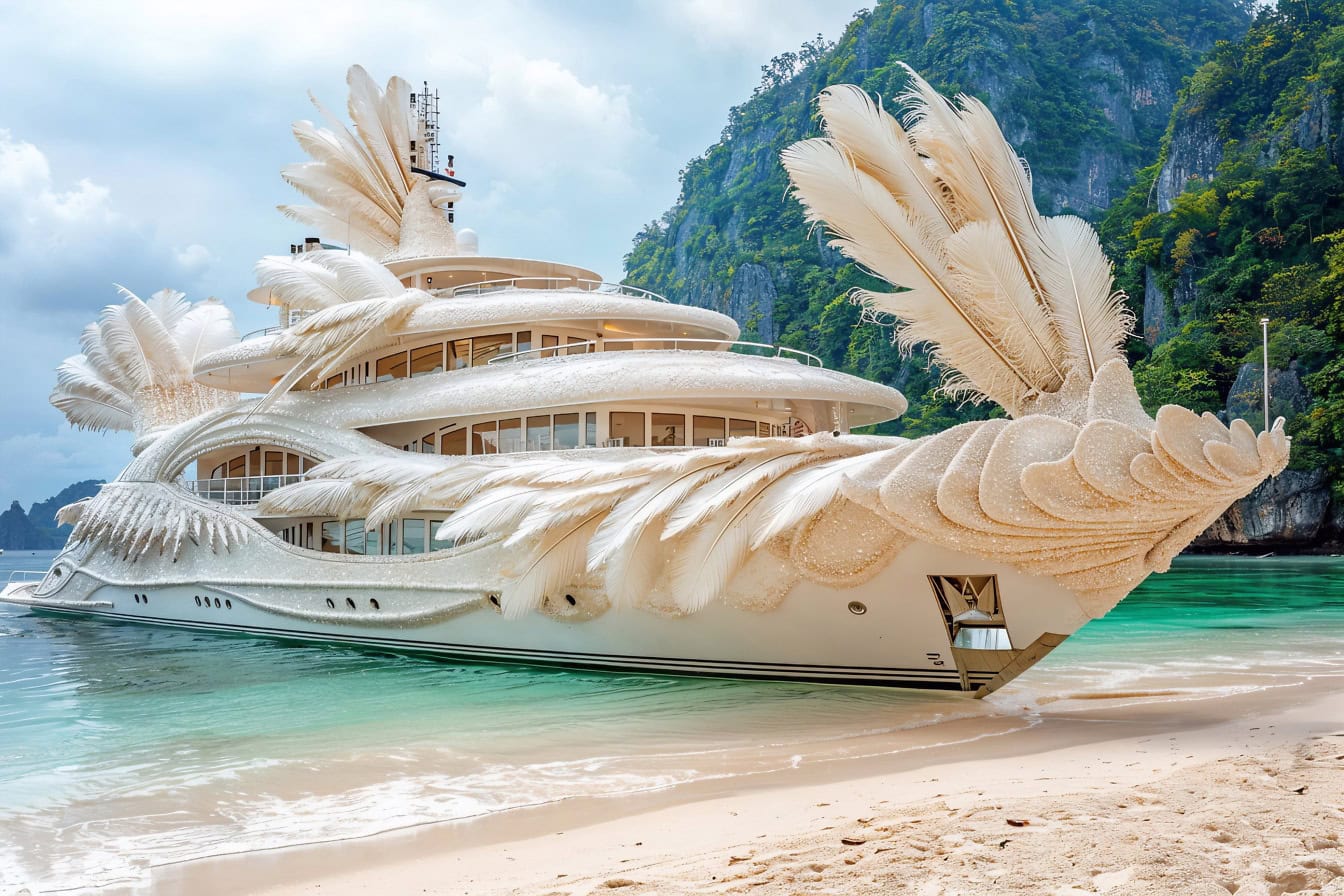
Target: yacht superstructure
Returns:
[509, 460]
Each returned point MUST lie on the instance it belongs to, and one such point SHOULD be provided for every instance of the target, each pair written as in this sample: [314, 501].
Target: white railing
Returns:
[240, 491]
[557, 283]
[758, 349]
[264, 331]
[27, 575]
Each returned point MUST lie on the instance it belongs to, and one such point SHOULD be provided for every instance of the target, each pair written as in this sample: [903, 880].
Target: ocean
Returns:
[128, 746]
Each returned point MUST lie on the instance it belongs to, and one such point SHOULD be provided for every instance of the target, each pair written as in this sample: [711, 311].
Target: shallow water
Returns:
[126, 746]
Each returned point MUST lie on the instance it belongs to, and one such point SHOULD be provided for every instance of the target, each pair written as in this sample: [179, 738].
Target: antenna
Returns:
[425, 109]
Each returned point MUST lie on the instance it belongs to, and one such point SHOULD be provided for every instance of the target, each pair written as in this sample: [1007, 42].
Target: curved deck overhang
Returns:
[253, 365]
[644, 376]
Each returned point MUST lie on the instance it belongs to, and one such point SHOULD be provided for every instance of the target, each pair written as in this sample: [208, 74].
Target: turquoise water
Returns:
[126, 746]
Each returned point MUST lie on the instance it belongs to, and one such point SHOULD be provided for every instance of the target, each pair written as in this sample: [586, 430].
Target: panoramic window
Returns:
[669, 429]
[454, 442]
[413, 536]
[436, 543]
[628, 425]
[331, 537]
[459, 354]
[426, 360]
[548, 342]
[708, 429]
[539, 433]
[511, 435]
[590, 429]
[485, 438]
[566, 431]
[524, 341]
[393, 367]
[485, 348]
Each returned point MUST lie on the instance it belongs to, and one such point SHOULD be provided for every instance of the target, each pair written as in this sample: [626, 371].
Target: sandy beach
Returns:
[1101, 793]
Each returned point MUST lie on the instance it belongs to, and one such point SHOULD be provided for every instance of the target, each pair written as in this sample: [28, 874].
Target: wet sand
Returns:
[1098, 793]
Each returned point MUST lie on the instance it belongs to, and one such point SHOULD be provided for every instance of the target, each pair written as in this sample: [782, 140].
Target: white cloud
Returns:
[539, 122]
[764, 27]
[36, 465]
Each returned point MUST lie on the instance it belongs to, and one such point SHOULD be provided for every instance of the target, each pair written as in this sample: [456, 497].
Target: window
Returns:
[763, 429]
[590, 429]
[511, 435]
[459, 354]
[539, 433]
[237, 467]
[577, 346]
[566, 431]
[427, 445]
[393, 367]
[412, 536]
[524, 341]
[485, 438]
[334, 381]
[707, 428]
[393, 534]
[628, 425]
[436, 543]
[292, 464]
[548, 342]
[331, 537]
[357, 541]
[454, 442]
[669, 429]
[254, 462]
[426, 360]
[483, 348]
[275, 463]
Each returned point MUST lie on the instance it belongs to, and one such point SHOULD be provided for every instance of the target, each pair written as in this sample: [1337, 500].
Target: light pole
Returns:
[1264, 330]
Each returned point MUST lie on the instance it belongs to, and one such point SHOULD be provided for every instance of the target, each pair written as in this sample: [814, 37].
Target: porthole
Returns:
[216, 603]
[198, 600]
[373, 602]
[57, 572]
[569, 599]
[350, 602]
[144, 598]
[858, 608]
[494, 599]
[228, 604]
[331, 604]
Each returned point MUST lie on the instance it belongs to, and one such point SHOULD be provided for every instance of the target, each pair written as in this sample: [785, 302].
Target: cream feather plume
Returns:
[136, 369]
[360, 181]
[1009, 303]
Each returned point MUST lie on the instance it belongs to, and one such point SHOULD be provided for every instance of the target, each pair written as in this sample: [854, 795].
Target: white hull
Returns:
[438, 604]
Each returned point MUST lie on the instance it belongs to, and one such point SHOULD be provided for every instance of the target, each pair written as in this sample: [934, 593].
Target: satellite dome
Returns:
[467, 243]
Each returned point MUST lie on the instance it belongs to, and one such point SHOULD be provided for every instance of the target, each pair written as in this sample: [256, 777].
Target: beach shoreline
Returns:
[784, 831]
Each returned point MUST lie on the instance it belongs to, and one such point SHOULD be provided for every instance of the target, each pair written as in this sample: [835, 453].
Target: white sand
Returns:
[1227, 795]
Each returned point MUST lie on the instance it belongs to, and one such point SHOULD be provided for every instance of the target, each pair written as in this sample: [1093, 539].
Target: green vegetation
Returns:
[1082, 88]
[1262, 235]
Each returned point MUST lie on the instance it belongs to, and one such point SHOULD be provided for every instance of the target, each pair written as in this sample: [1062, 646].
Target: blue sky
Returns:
[140, 144]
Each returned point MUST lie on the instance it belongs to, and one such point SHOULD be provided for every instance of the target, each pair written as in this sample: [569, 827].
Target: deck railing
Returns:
[556, 283]
[758, 349]
[27, 575]
[238, 491]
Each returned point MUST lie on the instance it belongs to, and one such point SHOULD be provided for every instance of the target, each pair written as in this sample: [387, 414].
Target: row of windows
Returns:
[205, 602]
[263, 463]
[455, 354]
[546, 432]
[408, 536]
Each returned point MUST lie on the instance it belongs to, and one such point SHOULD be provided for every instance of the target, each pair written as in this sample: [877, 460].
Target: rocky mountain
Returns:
[37, 529]
[1084, 89]
[1242, 218]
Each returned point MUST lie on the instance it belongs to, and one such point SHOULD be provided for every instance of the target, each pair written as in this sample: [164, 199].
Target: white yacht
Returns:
[508, 460]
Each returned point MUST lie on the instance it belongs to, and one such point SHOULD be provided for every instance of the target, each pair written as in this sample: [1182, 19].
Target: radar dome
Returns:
[467, 243]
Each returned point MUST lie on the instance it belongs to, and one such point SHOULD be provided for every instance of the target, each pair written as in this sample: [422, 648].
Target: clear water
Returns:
[124, 746]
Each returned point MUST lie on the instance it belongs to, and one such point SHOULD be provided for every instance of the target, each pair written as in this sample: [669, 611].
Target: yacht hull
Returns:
[892, 630]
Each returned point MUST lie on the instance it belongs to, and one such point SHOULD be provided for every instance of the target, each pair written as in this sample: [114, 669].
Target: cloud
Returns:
[539, 122]
[762, 27]
[36, 465]
[61, 247]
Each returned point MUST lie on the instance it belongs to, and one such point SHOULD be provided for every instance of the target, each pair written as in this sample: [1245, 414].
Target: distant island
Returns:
[37, 530]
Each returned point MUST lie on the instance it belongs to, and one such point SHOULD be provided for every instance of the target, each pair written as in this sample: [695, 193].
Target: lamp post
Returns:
[1264, 330]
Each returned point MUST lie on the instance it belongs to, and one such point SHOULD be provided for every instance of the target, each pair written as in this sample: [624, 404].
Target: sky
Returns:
[140, 145]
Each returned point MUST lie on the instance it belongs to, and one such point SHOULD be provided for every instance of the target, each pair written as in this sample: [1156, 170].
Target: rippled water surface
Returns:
[125, 746]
